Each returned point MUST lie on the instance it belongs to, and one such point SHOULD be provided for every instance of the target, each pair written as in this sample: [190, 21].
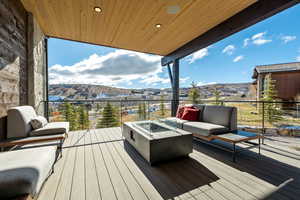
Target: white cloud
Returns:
[198, 55]
[261, 41]
[117, 67]
[153, 80]
[229, 49]
[238, 58]
[204, 83]
[246, 42]
[257, 39]
[258, 36]
[288, 38]
[183, 80]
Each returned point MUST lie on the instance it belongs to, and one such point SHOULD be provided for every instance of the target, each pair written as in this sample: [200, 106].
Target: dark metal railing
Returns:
[258, 115]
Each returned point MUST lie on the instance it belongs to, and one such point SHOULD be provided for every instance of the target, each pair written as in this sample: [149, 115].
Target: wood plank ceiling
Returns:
[130, 24]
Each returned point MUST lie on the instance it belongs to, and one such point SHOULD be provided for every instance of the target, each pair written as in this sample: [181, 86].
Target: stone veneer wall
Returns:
[36, 63]
[22, 59]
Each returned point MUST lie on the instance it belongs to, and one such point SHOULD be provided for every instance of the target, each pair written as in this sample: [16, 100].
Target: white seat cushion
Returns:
[52, 128]
[174, 121]
[203, 128]
[24, 171]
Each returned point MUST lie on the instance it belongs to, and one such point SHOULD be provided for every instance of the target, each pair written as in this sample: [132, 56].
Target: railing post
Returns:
[148, 110]
[46, 109]
[263, 122]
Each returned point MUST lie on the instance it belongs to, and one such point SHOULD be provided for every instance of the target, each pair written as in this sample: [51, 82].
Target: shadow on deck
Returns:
[173, 178]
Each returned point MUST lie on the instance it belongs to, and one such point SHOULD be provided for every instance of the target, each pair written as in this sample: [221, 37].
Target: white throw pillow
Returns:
[38, 122]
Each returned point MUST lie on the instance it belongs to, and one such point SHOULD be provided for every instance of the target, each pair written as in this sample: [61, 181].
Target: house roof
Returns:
[282, 67]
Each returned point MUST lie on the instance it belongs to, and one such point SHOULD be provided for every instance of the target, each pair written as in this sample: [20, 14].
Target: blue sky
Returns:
[275, 40]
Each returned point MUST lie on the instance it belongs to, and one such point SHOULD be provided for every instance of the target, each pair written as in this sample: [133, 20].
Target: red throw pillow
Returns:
[180, 111]
[190, 114]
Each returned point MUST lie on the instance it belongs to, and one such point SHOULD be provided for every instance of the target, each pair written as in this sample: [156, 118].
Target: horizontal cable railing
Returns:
[267, 117]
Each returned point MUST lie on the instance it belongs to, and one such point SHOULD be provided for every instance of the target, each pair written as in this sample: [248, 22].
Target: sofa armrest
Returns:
[233, 120]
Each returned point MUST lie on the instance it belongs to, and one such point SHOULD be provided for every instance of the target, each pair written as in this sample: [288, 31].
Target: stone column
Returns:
[36, 65]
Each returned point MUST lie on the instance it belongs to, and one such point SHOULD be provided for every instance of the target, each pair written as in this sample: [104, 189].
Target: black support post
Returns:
[175, 87]
[46, 103]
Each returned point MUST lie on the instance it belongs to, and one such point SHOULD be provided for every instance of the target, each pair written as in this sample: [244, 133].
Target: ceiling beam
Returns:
[255, 13]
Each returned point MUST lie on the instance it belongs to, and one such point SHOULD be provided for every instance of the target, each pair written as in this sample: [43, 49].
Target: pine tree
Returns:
[272, 111]
[162, 106]
[142, 114]
[110, 117]
[67, 111]
[83, 118]
[73, 118]
[144, 111]
[98, 107]
[194, 95]
[139, 112]
[217, 96]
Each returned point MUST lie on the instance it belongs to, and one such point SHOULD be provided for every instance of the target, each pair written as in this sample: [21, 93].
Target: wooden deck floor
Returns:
[99, 165]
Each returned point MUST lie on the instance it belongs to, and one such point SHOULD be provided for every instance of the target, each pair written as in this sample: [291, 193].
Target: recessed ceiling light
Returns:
[97, 9]
[157, 25]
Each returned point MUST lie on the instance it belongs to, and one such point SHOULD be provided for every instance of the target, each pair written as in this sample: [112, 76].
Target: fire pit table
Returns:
[156, 141]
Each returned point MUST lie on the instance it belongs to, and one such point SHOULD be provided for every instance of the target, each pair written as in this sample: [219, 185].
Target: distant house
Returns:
[286, 75]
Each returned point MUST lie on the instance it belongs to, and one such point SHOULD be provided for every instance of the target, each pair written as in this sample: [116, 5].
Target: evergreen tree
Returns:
[194, 95]
[110, 117]
[162, 106]
[144, 111]
[272, 110]
[139, 112]
[73, 118]
[142, 114]
[83, 118]
[67, 111]
[217, 96]
[98, 107]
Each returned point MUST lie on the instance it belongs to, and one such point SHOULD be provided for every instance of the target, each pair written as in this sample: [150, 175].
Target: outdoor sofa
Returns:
[213, 120]
[23, 172]
[20, 131]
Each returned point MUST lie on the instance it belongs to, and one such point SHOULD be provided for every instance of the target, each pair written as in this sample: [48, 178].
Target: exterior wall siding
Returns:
[287, 85]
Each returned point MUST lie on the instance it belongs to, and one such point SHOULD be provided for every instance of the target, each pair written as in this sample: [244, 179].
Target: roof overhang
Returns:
[186, 26]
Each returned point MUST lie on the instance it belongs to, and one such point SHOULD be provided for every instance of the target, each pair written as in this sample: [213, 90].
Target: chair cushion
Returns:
[51, 128]
[24, 171]
[38, 122]
[190, 114]
[203, 128]
[220, 115]
[174, 121]
[18, 121]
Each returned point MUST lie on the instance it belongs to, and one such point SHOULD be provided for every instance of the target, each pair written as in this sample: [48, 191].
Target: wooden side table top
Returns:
[239, 136]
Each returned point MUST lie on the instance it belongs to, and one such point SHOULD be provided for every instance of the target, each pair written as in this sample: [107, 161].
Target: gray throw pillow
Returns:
[38, 122]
